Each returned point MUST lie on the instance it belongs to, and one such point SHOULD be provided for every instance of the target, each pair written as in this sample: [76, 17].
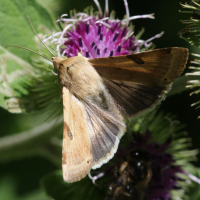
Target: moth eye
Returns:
[60, 66]
[67, 69]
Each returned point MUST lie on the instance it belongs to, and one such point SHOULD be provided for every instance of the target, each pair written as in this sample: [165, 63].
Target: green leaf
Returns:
[15, 27]
[15, 78]
[56, 188]
[8, 187]
[34, 141]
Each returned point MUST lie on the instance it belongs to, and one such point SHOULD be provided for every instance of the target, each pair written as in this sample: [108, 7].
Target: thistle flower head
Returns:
[191, 32]
[153, 164]
[194, 83]
[164, 178]
[96, 35]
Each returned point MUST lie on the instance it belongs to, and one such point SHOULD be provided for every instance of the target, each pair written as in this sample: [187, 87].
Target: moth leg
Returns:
[80, 53]
[94, 178]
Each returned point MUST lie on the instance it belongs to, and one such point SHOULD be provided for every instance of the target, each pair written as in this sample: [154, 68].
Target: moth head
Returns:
[62, 66]
[57, 62]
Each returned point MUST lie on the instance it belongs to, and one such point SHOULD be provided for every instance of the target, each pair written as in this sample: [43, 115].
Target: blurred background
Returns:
[20, 178]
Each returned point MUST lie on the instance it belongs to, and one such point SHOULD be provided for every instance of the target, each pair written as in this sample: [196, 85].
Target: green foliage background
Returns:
[22, 168]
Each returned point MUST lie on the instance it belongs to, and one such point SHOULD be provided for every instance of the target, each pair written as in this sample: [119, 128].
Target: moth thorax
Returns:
[86, 83]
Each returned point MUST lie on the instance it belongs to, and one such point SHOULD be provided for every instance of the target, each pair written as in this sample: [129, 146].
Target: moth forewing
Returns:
[77, 153]
[93, 125]
[140, 81]
[156, 67]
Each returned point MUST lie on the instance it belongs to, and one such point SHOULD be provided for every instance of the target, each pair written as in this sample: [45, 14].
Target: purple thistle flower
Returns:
[150, 170]
[146, 170]
[97, 35]
[164, 171]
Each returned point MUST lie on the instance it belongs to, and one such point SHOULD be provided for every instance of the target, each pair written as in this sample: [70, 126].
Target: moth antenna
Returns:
[39, 37]
[30, 51]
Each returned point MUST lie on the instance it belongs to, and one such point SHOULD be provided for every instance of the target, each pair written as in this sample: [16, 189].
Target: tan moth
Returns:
[94, 89]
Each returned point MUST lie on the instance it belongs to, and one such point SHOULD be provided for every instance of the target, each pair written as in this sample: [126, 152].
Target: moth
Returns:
[97, 95]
